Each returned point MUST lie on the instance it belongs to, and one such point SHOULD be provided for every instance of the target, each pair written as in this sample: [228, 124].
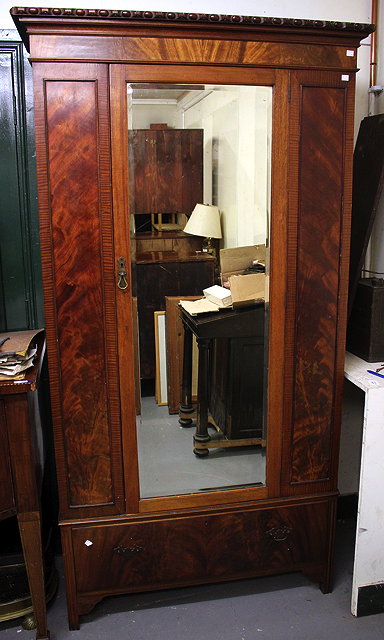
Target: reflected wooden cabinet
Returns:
[167, 170]
[174, 275]
[114, 541]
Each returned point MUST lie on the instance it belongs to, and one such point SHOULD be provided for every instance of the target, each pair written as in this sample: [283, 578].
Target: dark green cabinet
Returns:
[20, 279]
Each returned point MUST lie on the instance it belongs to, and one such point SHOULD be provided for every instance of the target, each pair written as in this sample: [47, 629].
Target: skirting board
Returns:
[370, 600]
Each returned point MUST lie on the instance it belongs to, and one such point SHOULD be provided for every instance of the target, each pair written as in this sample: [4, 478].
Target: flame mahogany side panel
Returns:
[317, 294]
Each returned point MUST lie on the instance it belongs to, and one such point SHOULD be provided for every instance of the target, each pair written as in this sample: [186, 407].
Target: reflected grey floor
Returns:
[168, 465]
[286, 607]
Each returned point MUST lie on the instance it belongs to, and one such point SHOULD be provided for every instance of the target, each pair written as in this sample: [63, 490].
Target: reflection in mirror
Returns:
[200, 155]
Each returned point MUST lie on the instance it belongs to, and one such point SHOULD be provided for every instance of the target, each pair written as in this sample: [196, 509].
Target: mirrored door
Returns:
[206, 145]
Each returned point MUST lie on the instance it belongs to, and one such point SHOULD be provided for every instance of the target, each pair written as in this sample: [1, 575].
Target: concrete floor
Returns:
[168, 466]
[274, 608]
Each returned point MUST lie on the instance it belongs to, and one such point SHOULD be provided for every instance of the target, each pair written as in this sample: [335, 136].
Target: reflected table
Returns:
[230, 377]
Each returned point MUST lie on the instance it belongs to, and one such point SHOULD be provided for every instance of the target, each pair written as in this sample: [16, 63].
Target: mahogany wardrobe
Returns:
[129, 520]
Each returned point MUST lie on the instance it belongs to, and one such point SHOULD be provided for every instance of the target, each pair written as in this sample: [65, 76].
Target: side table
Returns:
[21, 471]
[230, 326]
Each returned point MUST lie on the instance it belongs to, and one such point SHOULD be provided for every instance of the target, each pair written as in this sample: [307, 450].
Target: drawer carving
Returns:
[127, 551]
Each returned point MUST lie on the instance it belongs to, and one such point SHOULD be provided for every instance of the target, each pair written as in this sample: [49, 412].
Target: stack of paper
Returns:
[195, 307]
[17, 352]
[215, 299]
[12, 365]
[218, 295]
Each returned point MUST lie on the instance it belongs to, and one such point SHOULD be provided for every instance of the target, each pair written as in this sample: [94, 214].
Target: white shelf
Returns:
[369, 549]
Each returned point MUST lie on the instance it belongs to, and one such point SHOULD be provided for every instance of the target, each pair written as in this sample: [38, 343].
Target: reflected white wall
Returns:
[237, 141]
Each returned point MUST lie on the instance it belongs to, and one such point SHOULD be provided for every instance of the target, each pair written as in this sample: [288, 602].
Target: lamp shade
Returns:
[204, 221]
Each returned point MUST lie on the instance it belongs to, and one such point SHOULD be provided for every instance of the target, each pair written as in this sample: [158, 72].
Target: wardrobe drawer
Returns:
[151, 554]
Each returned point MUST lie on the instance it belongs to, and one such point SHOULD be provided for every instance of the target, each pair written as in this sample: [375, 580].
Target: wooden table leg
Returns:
[30, 534]
[201, 434]
[25, 462]
[186, 407]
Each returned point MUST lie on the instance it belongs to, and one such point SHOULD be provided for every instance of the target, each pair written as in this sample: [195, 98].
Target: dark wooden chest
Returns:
[365, 337]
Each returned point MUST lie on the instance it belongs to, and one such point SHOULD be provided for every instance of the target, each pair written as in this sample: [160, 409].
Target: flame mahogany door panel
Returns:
[72, 135]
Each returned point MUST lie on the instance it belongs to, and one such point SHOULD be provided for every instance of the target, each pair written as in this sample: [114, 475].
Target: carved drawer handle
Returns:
[279, 534]
[127, 551]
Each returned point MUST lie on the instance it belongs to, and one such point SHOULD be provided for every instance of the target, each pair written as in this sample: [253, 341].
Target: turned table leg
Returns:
[201, 434]
[186, 407]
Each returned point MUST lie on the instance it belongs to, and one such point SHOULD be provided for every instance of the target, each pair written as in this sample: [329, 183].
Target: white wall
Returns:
[143, 115]
[378, 106]
[375, 260]
[237, 131]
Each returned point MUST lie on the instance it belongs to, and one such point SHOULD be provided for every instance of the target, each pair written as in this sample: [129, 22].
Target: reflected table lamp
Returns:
[204, 221]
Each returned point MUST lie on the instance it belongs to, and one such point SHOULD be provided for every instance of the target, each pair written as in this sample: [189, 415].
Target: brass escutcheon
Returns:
[122, 274]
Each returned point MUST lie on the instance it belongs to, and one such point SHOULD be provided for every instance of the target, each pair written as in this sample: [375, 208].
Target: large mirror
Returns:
[200, 160]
